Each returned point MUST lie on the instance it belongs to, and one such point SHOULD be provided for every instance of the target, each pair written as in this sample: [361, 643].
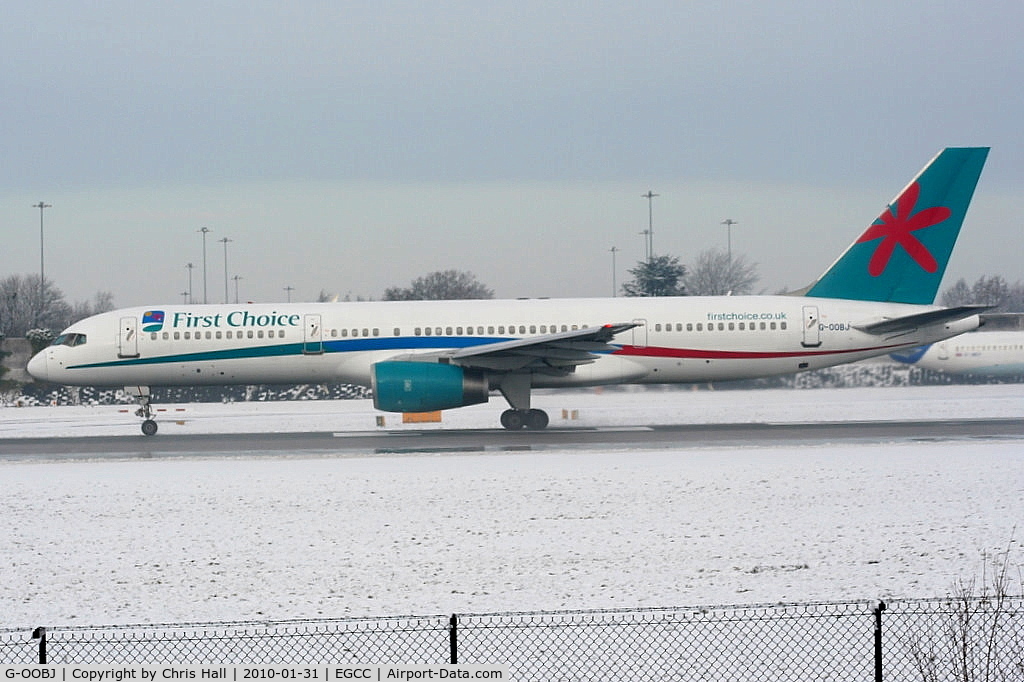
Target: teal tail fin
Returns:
[902, 256]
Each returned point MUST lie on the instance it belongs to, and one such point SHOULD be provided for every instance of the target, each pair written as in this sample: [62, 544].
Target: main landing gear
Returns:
[516, 389]
[145, 410]
[533, 419]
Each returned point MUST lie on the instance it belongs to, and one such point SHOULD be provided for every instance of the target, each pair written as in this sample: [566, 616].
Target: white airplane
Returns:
[423, 356]
[984, 353]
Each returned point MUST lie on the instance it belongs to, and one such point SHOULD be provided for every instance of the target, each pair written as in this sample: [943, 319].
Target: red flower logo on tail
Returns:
[895, 229]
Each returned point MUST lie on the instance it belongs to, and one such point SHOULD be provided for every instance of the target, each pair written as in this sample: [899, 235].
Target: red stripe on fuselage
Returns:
[697, 354]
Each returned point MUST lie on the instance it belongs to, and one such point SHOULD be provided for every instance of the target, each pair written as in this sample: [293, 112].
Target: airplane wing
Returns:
[908, 323]
[554, 354]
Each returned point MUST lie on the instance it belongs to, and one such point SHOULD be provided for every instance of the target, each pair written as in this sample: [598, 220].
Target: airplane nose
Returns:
[37, 366]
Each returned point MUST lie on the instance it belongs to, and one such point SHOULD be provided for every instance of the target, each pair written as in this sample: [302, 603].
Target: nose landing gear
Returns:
[145, 410]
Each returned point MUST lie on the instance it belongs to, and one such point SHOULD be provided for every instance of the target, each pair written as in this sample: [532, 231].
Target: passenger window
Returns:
[249, 333]
[398, 332]
[782, 325]
[166, 336]
[219, 334]
[152, 337]
[743, 326]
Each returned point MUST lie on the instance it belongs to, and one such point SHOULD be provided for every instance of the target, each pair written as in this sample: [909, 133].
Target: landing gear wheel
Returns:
[149, 427]
[513, 420]
[536, 420]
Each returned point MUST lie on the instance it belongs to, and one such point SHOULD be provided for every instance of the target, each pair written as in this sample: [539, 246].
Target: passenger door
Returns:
[812, 327]
[128, 338]
[312, 335]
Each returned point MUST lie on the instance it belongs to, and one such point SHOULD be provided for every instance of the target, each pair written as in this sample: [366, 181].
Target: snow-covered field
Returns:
[232, 538]
[567, 408]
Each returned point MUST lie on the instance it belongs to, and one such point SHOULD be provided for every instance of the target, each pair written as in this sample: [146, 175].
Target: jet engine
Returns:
[400, 386]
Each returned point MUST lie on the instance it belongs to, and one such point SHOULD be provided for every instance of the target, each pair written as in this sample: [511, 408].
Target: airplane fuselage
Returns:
[676, 340]
[991, 354]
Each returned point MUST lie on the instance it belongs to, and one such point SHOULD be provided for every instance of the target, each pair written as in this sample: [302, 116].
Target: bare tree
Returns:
[993, 290]
[715, 273]
[22, 308]
[444, 285]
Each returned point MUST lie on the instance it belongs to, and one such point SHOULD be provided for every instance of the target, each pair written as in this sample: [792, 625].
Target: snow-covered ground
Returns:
[567, 408]
[313, 535]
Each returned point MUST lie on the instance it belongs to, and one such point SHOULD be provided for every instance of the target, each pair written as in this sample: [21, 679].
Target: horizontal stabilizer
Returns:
[911, 322]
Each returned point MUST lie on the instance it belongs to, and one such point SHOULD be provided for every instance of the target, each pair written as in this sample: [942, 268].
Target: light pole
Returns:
[614, 288]
[204, 230]
[42, 270]
[650, 223]
[225, 241]
[289, 289]
[236, 278]
[729, 222]
[190, 299]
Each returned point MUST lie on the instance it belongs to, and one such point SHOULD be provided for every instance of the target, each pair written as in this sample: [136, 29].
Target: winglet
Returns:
[902, 256]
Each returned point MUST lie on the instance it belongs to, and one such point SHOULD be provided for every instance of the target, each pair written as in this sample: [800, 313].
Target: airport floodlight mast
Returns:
[289, 289]
[225, 241]
[190, 299]
[729, 222]
[236, 278]
[650, 223]
[613, 250]
[42, 206]
[204, 230]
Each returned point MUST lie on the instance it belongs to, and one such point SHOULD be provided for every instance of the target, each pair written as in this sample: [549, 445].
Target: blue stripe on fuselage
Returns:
[297, 349]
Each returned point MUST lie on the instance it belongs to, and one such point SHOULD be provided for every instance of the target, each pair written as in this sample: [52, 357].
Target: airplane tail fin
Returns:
[911, 355]
[902, 256]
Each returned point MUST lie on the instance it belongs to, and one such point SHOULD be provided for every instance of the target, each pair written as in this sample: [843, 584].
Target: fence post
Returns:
[40, 634]
[878, 640]
[453, 639]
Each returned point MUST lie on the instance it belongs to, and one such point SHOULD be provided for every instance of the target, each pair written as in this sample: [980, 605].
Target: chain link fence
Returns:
[927, 640]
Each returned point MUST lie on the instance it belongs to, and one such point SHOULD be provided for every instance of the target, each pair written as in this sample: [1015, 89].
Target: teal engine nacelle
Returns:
[425, 386]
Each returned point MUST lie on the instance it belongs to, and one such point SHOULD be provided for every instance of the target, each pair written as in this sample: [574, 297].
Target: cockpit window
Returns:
[69, 340]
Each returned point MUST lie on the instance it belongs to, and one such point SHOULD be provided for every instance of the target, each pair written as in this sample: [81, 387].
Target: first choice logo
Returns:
[153, 321]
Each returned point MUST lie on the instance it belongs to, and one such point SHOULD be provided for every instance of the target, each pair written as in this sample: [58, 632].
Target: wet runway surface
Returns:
[383, 442]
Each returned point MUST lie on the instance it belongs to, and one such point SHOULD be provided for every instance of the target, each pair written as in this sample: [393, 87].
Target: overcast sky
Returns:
[350, 147]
